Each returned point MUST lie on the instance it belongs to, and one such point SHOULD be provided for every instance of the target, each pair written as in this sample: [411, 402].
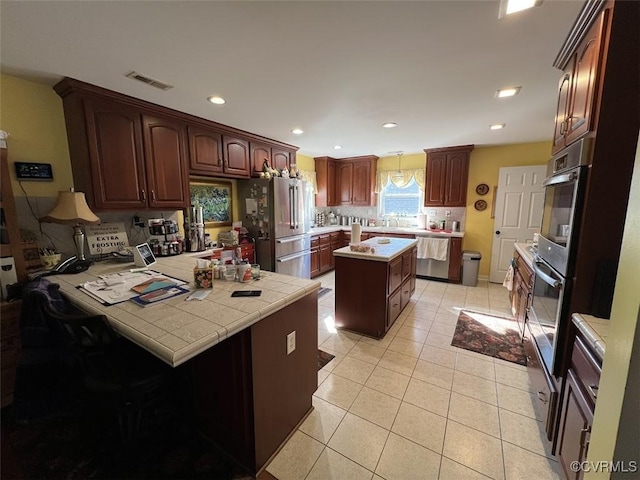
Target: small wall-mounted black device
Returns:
[33, 171]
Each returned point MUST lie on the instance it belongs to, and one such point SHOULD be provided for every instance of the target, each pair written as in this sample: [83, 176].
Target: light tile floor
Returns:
[411, 406]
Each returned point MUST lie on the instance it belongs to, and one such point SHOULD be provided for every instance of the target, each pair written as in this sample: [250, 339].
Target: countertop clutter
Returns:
[407, 230]
[383, 252]
[178, 330]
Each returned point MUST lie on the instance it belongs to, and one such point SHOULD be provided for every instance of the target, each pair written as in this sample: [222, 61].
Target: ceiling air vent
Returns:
[149, 81]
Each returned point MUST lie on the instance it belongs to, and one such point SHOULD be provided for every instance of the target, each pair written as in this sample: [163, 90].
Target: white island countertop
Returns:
[384, 252]
[176, 330]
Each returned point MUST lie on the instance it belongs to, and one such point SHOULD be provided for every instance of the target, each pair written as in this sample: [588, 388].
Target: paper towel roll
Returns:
[356, 231]
[422, 220]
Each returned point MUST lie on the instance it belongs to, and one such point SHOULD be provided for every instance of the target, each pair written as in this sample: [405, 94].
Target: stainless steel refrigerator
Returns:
[277, 213]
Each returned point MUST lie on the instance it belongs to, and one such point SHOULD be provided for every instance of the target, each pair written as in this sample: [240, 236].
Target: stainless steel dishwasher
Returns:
[431, 268]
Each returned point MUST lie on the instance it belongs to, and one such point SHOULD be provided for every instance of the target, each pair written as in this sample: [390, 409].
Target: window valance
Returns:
[384, 176]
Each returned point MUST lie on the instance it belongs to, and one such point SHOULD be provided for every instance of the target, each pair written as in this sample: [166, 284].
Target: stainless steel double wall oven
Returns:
[555, 259]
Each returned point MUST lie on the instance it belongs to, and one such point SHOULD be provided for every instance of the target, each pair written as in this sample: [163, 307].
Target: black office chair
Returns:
[112, 375]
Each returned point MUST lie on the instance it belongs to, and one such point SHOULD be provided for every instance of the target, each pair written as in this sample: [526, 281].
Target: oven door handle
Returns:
[558, 179]
[547, 278]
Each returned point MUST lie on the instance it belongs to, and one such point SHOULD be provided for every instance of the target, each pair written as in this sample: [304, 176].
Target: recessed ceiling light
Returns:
[297, 131]
[217, 100]
[507, 92]
[497, 126]
[337, 147]
[507, 7]
[390, 125]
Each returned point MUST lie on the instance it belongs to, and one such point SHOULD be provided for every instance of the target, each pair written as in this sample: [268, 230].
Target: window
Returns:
[405, 201]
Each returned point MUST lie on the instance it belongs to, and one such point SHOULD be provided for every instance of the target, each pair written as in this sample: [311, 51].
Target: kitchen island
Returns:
[247, 394]
[372, 289]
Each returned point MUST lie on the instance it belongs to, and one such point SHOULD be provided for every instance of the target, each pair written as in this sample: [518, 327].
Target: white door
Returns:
[518, 214]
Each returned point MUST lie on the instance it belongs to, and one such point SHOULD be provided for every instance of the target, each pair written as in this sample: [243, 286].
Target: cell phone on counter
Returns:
[246, 293]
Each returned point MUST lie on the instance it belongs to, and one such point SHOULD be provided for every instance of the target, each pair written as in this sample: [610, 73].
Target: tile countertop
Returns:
[524, 249]
[176, 330]
[410, 230]
[384, 252]
[594, 331]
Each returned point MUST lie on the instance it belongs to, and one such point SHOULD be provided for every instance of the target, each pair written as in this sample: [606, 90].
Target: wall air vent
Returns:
[149, 81]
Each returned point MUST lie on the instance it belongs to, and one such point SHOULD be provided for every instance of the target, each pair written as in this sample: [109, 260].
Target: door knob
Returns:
[497, 232]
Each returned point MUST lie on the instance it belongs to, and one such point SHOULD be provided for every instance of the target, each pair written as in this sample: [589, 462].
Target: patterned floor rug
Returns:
[489, 335]
[324, 358]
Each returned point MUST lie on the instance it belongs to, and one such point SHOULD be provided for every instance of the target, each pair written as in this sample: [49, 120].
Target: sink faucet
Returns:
[396, 220]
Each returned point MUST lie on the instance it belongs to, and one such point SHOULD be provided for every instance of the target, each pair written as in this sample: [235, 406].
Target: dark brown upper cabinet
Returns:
[447, 174]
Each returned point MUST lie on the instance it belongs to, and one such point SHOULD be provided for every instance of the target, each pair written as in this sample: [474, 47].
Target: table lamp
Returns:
[71, 209]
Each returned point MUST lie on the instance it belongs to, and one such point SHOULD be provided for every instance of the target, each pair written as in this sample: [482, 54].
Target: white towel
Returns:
[435, 248]
[508, 279]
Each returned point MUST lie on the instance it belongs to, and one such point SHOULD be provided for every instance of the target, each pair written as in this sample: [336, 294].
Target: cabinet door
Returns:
[455, 194]
[344, 182]
[436, 178]
[332, 197]
[562, 108]
[205, 151]
[575, 427]
[260, 153]
[361, 183]
[236, 156]
[280, 159]
[325, 257]
[315, 261]
[165, 161]
[587, 62]
[455, 259]
[414, 263]
[114, 133]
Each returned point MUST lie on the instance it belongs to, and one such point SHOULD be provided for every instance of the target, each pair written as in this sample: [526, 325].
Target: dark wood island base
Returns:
[372, 291]
[249, 394]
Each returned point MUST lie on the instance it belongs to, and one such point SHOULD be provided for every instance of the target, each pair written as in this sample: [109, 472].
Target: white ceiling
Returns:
[338, 70]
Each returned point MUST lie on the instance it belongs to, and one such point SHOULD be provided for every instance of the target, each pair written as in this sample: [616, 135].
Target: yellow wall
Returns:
[620, 344]
[33, 116]
[305, 162]
[484, 167]
[413, 160]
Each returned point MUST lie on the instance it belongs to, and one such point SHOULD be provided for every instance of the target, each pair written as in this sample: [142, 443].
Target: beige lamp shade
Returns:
[71, 208]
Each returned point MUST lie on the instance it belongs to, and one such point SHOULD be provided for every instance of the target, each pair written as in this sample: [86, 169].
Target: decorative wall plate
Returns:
[480, 205]
[482, 189]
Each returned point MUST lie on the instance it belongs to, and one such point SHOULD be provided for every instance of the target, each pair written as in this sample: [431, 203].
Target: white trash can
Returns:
[470, 266]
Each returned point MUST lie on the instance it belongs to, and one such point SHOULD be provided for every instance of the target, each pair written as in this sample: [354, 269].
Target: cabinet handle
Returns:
[583, 435]
[563, 127]
[144, 195]
[153, 195]
[542, 397]
[220, 161]
[594, 390]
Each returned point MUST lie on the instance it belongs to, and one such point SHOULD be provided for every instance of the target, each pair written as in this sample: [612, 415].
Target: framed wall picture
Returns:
[215, 200]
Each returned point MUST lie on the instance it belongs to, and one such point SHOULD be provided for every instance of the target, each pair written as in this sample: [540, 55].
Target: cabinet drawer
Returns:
[335, 236]
[546, 394]
[394, 308]
[395, 275]
[406, 265]
[325, 239]
[315, 242]
[405, 294]
[587, 369]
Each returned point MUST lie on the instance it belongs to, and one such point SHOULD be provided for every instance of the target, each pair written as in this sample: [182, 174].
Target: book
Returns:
[154, 283]
[159, 295]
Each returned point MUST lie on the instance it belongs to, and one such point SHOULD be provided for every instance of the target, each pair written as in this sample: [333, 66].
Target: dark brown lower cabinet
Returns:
[578, 404]
[248, 393]
[371, 294]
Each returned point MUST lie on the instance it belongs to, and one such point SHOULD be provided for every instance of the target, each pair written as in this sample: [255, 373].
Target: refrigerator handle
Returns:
[295, 204]
[291, 207]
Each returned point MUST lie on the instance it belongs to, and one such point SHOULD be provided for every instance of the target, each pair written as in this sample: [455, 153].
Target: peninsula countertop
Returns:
[176, 330]
[594, 331]
[384, 252]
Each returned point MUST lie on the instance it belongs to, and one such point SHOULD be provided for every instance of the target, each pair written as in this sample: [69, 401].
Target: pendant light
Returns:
[398, 175]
